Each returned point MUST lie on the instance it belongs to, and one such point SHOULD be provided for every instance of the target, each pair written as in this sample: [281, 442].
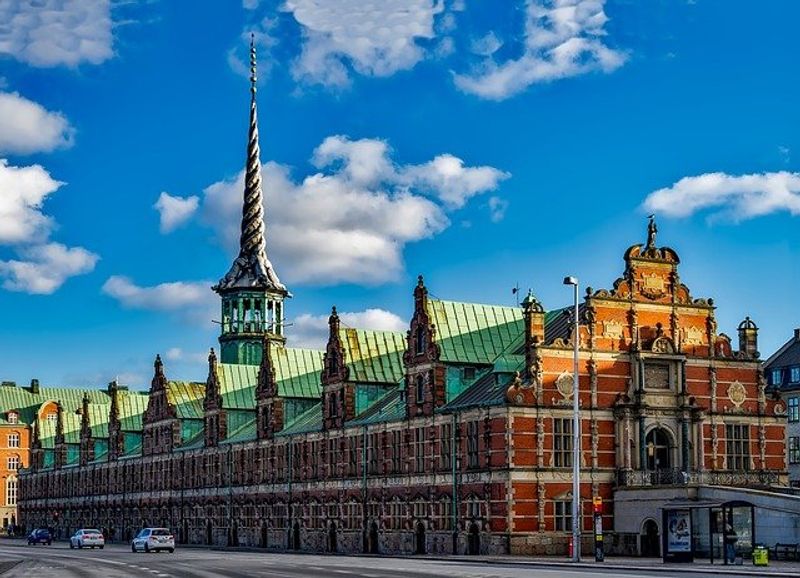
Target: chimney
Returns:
[35, 386]
[797, 334]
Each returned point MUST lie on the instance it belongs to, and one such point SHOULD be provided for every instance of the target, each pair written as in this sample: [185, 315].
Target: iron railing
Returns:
[678, 477]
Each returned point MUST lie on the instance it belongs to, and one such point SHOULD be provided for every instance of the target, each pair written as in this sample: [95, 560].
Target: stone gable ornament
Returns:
[612, 329]
[737, 393]
[565, 385]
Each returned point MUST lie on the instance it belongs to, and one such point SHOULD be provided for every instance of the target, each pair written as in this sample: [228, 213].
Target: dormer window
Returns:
[13, 417]
[795, 375]
[469, 373]
[419, 340]
[52, 416]
[776, 377]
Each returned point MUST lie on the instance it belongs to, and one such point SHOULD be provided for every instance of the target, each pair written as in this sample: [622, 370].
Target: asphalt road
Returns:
[116, 561]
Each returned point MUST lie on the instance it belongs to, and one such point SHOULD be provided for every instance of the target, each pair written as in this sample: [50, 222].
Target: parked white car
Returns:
[87, 538]
[153, 540]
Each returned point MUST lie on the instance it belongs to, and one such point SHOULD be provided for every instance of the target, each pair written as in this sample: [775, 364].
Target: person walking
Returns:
[730, 539]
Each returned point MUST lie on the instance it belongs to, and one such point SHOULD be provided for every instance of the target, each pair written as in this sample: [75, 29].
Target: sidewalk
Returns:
[775, 568]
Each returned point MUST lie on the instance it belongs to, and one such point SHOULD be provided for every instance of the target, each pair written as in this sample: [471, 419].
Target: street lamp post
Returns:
[576, 432]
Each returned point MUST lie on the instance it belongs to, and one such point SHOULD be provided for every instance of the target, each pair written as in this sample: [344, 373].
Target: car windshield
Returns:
[143, 533]
[160, 532]
[91, 531]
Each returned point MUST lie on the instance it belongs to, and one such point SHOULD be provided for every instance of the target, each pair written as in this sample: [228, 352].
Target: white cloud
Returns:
[178, 354]
[46, 267]
[24, 190]
[732, 197]
[563, 38]
[175, 211]
[180, 296]
[311, 331]
[373, 38]
[250, 4]
[49, 33]
[265, 41]
[351, 221]
[486, 45]
[497, 209]
[27, 127]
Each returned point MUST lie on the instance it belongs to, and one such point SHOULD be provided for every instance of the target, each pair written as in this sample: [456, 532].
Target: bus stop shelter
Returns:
[701, 529]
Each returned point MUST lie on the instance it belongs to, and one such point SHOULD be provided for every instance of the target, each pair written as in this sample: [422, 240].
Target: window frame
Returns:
[737, 446]
[793, 450]
[14, 439]
[793, 409]
[562, 442]
[562, 515]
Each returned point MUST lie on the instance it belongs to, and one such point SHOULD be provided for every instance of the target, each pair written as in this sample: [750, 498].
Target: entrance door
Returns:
[264, 530]
[474, 540]
[296, 536]
[332, 545]
[209, 533]
[658, 451]
[421, 549]
[373, 538]
[651, 545]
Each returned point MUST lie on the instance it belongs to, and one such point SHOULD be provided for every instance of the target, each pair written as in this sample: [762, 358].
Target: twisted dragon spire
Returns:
[252, 268]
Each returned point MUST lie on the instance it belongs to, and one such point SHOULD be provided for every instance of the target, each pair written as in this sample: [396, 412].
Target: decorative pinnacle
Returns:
[253, 76]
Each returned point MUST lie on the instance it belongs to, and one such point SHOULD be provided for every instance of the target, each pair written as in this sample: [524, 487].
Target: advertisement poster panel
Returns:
[679, 532]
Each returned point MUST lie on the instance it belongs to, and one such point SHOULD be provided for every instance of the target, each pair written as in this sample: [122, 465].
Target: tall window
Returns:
[472, 444]
[13, 440]
[372, 452]
[332, 457]
[419, 449]
[333, 406]
[352, 454]
[794, 450]
[794, 409]
[11, 491]
[738, 447]
[419, 340]
[776, 377]
[795, 374]
[396, 449]
[13, 463]
[562, 442]
[419, 388]
[563, 515]
[445, 446]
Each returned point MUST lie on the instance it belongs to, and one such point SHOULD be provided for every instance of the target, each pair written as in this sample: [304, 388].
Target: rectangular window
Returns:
[563, 515]
[419, 449]
[794, 450]
[776, 377]
[372, 451]
[793, 411]
[472, 444]
[396, 448]
[738, 447]
[13, 463]
[13, 440]
[445, 446]
[13, 418]
[562, 442]
[795, 374]
[352, 455]
[469, 373]
[332, 457]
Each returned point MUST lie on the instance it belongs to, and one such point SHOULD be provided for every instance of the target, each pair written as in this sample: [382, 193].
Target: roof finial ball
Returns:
[253, 77]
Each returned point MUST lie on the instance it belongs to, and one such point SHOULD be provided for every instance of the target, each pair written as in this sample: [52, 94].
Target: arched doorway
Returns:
[657, 443]
[650, 542]
[332, 545]
[474, 540]
[209, 533]
[296, 536]
[373, 538]
[420, 539]
[263, 542]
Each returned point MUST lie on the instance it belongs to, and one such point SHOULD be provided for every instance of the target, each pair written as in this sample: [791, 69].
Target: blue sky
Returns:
[481, 146]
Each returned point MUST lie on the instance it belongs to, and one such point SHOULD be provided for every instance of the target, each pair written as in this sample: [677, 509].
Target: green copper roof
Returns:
[473, 333]
[391, 407]
[308, 421]
[131, 407]
[98, 419]
[373, 356]
[244, 433]
[187, 398]
[237, 385]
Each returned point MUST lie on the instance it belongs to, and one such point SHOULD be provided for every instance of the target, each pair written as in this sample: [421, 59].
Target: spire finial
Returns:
[253, 76]
[652, 229]
[252, 268]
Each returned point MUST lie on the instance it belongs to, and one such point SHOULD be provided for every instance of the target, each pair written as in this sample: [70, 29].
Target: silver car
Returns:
[87, 538]
[153, 539]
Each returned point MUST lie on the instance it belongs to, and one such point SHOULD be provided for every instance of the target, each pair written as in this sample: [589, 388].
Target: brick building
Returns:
[453, 436]
[783, 372]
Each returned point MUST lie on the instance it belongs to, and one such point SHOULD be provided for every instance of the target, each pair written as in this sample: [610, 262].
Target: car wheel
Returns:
[133, 548]
[71, 546]
[171, 550]
[146, 548]
[101, 547]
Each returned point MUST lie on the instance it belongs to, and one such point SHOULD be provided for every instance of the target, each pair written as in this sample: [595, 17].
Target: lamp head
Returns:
[570, 280]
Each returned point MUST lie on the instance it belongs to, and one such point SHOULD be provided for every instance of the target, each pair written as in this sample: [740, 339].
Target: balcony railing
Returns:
[677, 477]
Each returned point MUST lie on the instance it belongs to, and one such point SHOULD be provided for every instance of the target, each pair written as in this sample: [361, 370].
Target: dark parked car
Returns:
[40, 536]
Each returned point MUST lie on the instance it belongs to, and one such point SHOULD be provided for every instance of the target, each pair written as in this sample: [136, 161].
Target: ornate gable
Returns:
[86, 441]
[269, 405]
[116, 439]
[216, 418]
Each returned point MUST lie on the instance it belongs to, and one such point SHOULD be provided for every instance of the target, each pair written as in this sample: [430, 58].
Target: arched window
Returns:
[11, 491]
[420, 389]
[13, 440]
